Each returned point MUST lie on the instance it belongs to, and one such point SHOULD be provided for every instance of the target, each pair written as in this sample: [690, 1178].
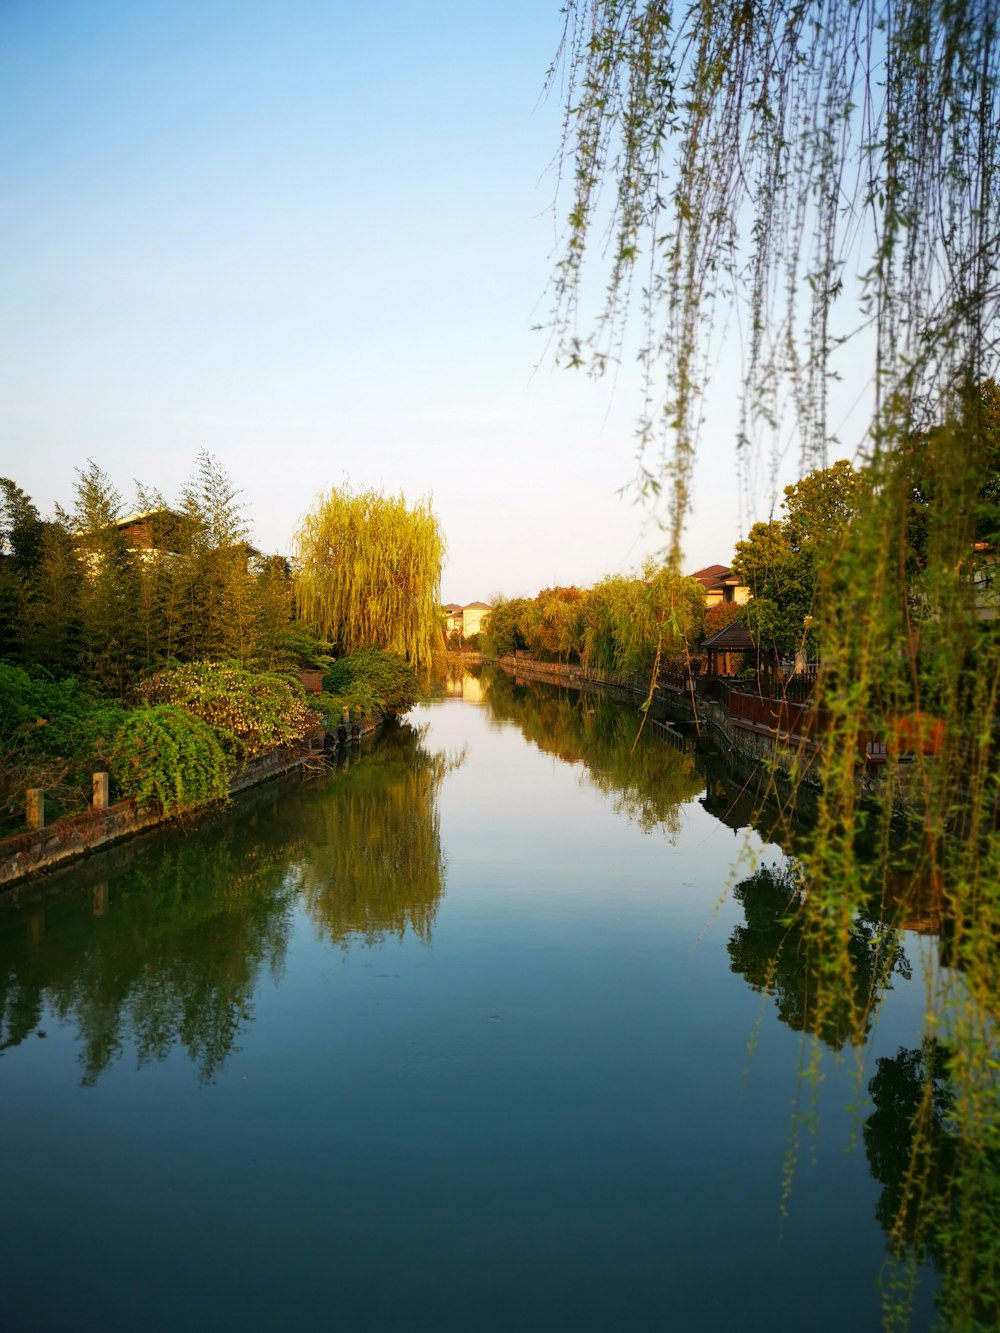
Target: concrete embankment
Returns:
[38, 850]
[578, 677]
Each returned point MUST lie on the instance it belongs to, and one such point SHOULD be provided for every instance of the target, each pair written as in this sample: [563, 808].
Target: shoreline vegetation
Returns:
[161, 649]
[28, 855]
[196, 736]
[356, 700]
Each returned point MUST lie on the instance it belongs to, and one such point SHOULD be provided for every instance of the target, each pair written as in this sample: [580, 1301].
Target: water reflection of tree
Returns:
[175, 960]
[939, 1199]
[167, 940]
[374, 865]
[777, 950]
[647, 781]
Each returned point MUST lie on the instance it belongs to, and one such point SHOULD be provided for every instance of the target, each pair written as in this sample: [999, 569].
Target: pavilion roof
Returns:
[735, 638]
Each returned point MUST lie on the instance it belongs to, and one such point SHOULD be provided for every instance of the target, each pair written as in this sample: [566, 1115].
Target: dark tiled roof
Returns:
[735, 638]
[712, 575]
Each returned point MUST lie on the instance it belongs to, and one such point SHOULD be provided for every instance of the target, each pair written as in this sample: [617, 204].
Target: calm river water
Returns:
[468, 1034]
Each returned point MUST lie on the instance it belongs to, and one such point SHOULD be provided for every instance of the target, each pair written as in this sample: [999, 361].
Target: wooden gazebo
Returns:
[722, 648]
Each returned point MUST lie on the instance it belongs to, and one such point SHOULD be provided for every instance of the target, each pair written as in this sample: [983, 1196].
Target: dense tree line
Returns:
[155, 641]
[625, 623]
[78, 598]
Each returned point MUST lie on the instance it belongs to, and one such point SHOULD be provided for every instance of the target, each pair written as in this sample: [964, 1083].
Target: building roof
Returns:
[478, 606]
[714, 576]
[735, 638]
[160, 510]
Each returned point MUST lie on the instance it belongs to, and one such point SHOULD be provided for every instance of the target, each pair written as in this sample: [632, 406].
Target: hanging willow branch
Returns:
[825, 173]
[828, 169]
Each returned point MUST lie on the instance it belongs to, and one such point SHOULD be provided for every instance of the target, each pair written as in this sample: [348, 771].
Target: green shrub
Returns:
[372, 683]
[53, 734]
[34, 708]
[162, 753]
[250, 712]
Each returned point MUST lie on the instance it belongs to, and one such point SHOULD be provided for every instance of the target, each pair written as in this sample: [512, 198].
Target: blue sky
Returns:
[312, 240]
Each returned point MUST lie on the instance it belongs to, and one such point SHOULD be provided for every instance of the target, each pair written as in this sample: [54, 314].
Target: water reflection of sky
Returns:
[556, 1106]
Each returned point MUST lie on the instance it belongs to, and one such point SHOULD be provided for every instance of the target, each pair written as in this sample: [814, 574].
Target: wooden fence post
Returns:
[35, 812]
[101, 788]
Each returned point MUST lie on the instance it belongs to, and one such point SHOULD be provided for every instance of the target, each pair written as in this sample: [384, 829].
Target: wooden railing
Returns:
[786, 717]
[791, 719]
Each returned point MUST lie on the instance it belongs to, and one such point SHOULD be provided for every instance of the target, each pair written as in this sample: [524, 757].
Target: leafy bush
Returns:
[250, 712]
[719, 616]
[163, 753]
[53, 734]
[305, 648]
[372, 683]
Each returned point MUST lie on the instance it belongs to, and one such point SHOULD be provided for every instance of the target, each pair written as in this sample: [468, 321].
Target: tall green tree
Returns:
[53, 619]
[785, 562]
[503, 631]
[20, 550]
[109, 587]
[632, 622]
[368, 574]
[20, 525]
[276, 644]
[215, 582]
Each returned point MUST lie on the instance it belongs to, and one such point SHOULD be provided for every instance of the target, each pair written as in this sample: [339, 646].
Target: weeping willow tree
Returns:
[824, 175]
[368, 574]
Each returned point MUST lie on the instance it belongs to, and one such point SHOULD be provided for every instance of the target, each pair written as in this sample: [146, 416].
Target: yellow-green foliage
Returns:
[249, 712]
[631, 622]
[388, 806]
[371, 683]
[164, 754]
[624, 623]
[368, 573]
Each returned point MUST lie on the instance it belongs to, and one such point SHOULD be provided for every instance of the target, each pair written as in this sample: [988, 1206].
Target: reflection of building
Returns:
[721, 585]
[737, 804]
[465, 621]
[465, 686]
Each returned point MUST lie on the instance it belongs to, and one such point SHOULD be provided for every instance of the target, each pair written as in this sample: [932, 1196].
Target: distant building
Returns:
[721, 585]
[724, 650]
[465, 621]
[154, 530]
[162, 533]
